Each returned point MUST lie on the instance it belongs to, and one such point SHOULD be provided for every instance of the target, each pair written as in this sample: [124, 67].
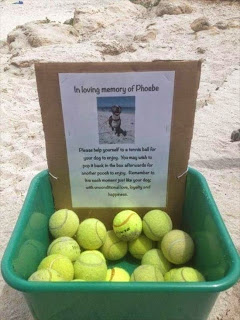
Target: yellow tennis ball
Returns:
[91, 234]
[37, 227]
[65, 246]
[187, 274]
[46, 275]
[90, 267]
[217, 272]
[117, 274]
[78, 280]
[168, 276]
[177, 246]
[156, 223]
[32, 249]
[113, 248]
[147, 273]
[127, 225]
[96, 252]
[59, 263]
[140, 246]
[30, 254]
[156, 258]
[63, 223]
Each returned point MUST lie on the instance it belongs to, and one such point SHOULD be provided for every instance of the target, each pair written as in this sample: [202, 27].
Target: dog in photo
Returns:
[115, 121]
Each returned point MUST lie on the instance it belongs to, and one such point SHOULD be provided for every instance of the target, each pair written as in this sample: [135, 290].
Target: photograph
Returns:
[120, 163]
[116, 120]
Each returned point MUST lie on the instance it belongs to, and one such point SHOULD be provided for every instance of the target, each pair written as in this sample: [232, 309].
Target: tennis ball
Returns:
[177, 246]
[65, 246]
[169, 275]
[147, 273]
[37, 227]
[90, 266]
[78, 280]
[96, 252]
[91, 234]
[127, 225]
[217, 272]
[187, 274]
[140, 246]
[206, 239]
[46, 275]
[117, 274]
[156, 223]
[31, 252]
[113, 248]
[59, 263]
[63, 223]
[156, 258]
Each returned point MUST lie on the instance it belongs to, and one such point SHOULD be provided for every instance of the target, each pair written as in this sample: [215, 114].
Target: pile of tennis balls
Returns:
[80, 251]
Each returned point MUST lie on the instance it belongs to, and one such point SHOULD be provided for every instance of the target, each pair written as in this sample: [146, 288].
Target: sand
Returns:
[138, 35]
[107, 135]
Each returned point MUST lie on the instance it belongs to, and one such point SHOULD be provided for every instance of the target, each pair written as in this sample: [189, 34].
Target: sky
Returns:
[123, 102]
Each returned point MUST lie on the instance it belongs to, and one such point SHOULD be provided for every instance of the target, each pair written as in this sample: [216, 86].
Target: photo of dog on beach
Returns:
[116, 119]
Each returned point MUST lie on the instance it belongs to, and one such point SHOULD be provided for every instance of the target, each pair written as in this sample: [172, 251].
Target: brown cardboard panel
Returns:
[187, 75]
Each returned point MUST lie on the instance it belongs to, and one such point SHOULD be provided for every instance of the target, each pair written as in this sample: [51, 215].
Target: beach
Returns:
[108, 136]
[119, 31]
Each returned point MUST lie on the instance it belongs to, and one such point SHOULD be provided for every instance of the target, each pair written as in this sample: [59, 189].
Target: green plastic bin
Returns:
[216, 257]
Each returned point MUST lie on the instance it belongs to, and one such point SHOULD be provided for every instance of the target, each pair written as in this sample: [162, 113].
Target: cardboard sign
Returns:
[118, 134]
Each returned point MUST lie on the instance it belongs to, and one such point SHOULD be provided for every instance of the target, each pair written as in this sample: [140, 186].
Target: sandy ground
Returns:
[137, 35]
[106, 135]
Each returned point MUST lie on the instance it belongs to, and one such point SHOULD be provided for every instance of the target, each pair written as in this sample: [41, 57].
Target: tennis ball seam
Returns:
[141, 253]
[63, 239]
[57, 242]
[112, 274]
[50, 274]
[96, 227]
[50, 266]
[34, 246]
[52, 245]
[133, 277]
[90, 264]
[172, 244]
[125, 221]
[108, 251]
[183, 275]
[92, 251]
[65, 219]
[154, 234]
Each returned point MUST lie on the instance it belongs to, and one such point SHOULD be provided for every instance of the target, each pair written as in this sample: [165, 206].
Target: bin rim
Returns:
[23, 285]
